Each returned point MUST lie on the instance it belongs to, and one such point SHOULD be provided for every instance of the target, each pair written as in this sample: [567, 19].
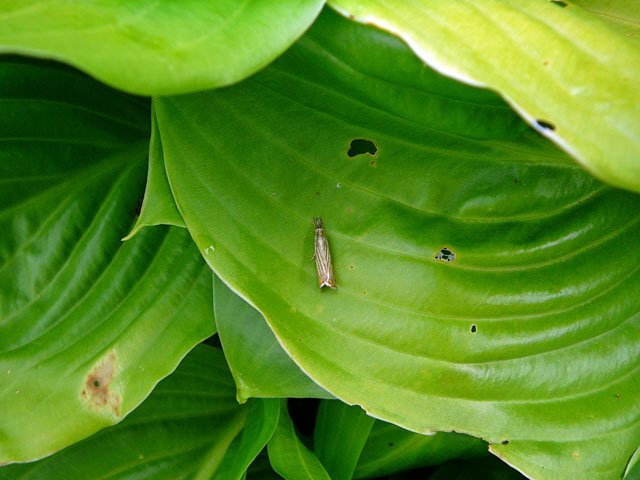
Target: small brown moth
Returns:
[323, 257]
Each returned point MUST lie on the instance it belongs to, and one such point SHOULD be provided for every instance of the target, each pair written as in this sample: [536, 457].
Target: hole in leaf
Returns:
[474, 328]
[559, 3]
[505, 442]
[446, 255]
[96, 383]
[546, 125]
[360, 146]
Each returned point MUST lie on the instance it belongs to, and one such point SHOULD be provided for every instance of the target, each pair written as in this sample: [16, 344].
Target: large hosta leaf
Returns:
[161, 47]
[571, 72]
[528, 337]
[88, 324]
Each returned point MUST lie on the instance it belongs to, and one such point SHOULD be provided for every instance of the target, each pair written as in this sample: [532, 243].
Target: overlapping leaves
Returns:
[161, 47]
[571, 72]
[82, 315]
[533, 321]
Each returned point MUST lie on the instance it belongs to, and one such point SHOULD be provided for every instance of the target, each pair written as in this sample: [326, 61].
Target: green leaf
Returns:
[341, 432]
[289, 457]
[529, 336]
[261, 423]
[88, 325]
[261, 469]
[571, 73]
[390, 449]
[632, 472]
[621, 14]
[479, 469]
[160, 48]
[259, 366]
[158, 206]
[168, 436]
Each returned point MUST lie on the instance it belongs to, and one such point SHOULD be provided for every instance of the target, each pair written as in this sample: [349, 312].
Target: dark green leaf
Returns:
[341, 432]
[88, 324]
[391, 449]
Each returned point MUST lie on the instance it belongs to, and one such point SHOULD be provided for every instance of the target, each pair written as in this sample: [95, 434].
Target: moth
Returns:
[326, 278]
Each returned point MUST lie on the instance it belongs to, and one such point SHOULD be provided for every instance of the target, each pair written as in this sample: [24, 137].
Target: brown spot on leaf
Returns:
[97, 392]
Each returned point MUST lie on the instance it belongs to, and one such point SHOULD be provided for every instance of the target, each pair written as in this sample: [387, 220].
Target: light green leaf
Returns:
[88, 324]
[157, 48]
[621, 14]
[158, 206]
[572, 74]
[168, 436]
[530, 336]
[289, 457]
[341, 432]
[259, 366]
[390, 449]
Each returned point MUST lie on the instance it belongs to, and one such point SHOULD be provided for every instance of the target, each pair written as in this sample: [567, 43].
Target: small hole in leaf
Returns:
[546, 125]
[505, 442]
[360, 146]
[559, 3]
[391, 444]
[96, 383]
[446, 255]
[474, 328]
